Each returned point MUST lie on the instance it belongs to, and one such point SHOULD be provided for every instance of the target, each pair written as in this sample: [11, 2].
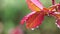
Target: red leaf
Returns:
[16, 30]
[26, 17]
[34, 19]
[58, 23]
[58, 8]
[34, 5]
[56, 15]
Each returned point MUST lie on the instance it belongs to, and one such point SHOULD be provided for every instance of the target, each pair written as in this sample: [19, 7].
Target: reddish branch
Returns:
[53, 2]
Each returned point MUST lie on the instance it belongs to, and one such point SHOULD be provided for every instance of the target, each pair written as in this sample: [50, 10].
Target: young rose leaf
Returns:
[34, 5]
[58, 23]
[34, 20]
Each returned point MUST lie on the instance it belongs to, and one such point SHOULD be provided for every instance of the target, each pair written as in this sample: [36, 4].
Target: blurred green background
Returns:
[12, 11]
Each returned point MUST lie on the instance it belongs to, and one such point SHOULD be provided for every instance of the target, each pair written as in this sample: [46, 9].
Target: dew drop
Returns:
[48, 15]
[56, 20]
[37, 27]
[32, 28]
[58, 26]
[56, 23]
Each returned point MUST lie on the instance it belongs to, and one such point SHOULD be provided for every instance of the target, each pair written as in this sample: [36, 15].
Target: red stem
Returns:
[53, 2]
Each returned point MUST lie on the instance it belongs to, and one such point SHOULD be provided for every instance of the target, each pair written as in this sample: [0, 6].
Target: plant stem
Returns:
[53, 2]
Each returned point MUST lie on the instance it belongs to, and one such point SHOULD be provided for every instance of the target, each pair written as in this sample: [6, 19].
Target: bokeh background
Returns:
[12, 11]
